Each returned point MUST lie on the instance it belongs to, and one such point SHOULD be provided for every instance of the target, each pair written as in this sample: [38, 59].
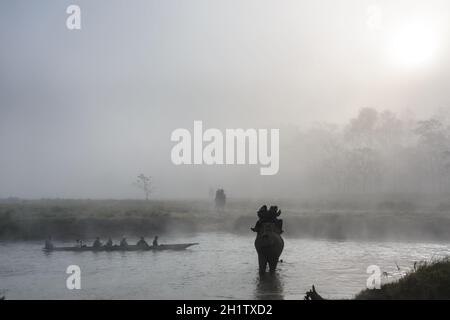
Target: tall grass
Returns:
[429, 281]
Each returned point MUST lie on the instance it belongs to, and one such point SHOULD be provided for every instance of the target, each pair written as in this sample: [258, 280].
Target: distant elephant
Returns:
[269, 245]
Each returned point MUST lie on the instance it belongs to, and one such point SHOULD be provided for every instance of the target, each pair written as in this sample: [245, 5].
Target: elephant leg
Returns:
[262, 263]
[273, 265]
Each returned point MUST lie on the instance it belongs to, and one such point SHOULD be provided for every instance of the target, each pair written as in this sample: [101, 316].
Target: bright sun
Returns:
[413, 45]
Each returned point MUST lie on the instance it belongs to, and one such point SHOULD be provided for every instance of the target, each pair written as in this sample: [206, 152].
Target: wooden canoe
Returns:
[179, 246]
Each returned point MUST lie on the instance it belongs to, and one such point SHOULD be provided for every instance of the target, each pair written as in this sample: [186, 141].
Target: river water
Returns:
[222, 266]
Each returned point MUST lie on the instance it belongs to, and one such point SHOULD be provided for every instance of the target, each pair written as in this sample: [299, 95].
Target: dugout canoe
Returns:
[161, 247]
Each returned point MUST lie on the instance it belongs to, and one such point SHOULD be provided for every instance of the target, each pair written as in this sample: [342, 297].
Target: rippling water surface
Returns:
[223, 266]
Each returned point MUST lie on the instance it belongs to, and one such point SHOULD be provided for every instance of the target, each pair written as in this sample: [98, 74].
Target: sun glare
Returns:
[413, 45]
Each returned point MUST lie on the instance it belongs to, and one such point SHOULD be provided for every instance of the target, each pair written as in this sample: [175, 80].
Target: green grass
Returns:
[430, 281]
[72, 219]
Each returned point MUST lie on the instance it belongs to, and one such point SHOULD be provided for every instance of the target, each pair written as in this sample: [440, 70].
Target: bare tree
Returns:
[143, 182]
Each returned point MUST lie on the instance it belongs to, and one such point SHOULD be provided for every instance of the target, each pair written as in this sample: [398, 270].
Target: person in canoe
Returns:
[123, 243]
[97, 243]
[49, 243]
[109, 243]
[142, 243]
[80, 244]
[155, 241]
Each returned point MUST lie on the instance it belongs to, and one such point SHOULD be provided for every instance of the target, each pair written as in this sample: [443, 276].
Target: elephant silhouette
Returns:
[269, 246]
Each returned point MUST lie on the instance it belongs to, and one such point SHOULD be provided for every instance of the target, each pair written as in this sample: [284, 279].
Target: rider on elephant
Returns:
[269, 216]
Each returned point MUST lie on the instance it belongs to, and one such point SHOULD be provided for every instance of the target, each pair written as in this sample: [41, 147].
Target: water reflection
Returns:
[206, 271]
[269, 287]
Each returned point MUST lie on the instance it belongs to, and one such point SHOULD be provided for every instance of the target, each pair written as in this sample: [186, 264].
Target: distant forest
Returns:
[375, 152]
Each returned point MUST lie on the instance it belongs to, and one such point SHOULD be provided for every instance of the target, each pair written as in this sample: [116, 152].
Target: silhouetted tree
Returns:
[434, 142]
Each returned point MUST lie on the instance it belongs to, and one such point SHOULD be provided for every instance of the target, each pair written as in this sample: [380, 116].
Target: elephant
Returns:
[269, 288]
[269, 245]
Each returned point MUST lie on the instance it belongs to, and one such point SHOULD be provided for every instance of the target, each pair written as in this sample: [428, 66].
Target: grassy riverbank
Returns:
[430, 281]
[72, 219]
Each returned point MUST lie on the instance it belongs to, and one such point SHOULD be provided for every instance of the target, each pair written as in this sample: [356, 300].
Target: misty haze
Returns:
[359, 177]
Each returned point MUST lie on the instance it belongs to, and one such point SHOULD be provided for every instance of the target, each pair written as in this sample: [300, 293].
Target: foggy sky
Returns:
[84, 112]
